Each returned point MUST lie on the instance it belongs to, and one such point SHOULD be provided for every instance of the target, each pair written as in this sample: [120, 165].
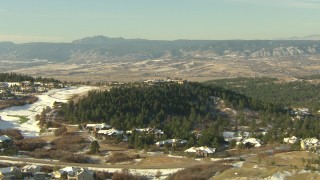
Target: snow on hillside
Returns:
[30, 128]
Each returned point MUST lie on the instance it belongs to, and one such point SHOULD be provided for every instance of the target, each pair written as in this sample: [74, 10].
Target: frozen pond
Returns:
[30, 128]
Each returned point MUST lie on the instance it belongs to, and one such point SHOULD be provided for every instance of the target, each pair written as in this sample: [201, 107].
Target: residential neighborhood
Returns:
[35, 172]
[24, 87]
[155, 125]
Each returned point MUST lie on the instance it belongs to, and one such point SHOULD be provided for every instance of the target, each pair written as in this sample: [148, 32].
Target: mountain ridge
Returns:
[102, 48]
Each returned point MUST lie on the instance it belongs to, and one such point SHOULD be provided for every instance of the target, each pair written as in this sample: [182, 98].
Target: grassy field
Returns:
[288, 165]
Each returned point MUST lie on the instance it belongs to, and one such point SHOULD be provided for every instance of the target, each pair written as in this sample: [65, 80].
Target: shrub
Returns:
[74, 158]
[12, 133]
[121, 157]
[200, 172]
[102, 175]
[70, 142]
[158, 174]
[59, 155]
[126, 175]
[60, 131]
[94, 148]
[30, 144]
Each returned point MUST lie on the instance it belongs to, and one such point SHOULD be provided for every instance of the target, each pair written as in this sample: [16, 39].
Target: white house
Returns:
[202, 151]
[98, 127]
[290, 140]
[74, 173]
[31, 168]
[11, 84]
[255, 142]
[110, 132]
[38, 84]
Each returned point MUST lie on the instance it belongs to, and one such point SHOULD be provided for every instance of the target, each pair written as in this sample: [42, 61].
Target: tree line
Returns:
[14, 77]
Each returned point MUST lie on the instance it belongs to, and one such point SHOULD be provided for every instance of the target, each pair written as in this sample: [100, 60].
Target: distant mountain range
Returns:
[105, 49]
[310, 37]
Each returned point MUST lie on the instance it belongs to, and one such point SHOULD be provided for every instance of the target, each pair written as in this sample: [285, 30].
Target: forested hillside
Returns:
[177, 109]
[180, 109]
[300, 93]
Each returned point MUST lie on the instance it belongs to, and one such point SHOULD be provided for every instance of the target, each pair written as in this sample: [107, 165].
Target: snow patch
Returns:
[238, 164]
[280, 176]
[176, 156]
[30, 128]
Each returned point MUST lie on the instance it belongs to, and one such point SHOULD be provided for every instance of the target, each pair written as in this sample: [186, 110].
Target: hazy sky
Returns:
[67, 20]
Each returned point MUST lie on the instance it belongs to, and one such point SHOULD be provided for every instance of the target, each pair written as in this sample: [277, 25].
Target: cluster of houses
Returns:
[26, 87]
[146, 130]
[312, 144]
[36, 172]
[74, 173]
[242, 138]
[167, 80]
[104, 131]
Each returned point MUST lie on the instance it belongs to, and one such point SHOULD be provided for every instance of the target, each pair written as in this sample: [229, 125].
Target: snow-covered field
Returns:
[30, 128]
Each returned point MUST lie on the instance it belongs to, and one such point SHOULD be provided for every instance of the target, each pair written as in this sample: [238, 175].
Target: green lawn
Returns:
[23, 119]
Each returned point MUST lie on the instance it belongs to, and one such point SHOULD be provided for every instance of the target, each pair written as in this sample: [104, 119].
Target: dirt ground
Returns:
[191, 69]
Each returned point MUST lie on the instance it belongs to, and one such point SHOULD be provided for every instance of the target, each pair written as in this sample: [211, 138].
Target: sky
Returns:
[67, 20]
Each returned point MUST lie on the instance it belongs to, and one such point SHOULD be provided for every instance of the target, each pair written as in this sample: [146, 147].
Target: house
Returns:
[83, 174]
[49, 85]
[26, 83]
[65, 171]
[4, 85]
[74, 173]
[171, 142]
[201, 151]
[291, 140]
[237, 136]
[31, 168]
[12, 84]
[310, 143]
[38, 84]
[41, 89]
[251, 142]
[97, 127]
[10, 173]
[109, 132]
